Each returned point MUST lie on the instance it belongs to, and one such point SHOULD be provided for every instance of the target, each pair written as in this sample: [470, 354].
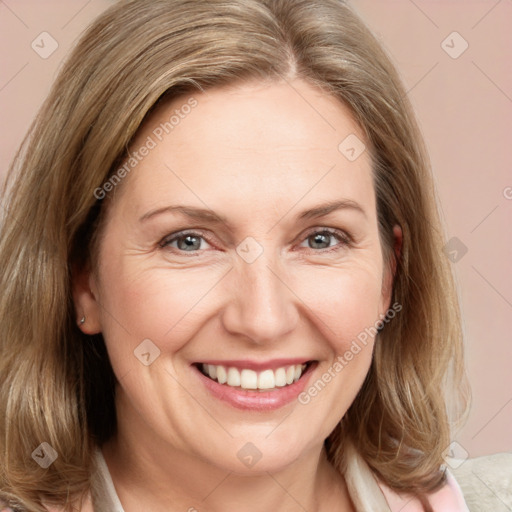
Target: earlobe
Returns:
[86, 304]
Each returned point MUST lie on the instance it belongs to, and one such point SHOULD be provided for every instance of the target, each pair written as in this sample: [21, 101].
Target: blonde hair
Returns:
[56, 384]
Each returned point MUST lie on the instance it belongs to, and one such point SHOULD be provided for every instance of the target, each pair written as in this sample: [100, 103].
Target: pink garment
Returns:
[447, 499]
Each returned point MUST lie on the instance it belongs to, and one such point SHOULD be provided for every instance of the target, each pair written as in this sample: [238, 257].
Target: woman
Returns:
[223, 281]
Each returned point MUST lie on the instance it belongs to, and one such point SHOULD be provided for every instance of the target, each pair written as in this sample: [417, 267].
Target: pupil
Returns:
[318, 239]
[190, 242]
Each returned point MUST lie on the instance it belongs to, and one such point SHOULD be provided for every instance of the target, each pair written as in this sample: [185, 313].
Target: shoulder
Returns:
[448, 499]
[367, 489]
[485, 481]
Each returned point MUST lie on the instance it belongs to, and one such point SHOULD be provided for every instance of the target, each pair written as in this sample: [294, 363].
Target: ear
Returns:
[85, 293]
[390, 269]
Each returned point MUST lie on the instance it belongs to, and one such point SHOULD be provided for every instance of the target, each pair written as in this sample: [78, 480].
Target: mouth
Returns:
[255, 386]
[249, 379]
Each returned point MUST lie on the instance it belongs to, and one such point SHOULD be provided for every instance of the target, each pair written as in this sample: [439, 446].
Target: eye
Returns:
[327, 239]
[323, 240]
[184, 242]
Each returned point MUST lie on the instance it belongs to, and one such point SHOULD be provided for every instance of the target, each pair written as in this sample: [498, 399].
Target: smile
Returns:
[255, 386]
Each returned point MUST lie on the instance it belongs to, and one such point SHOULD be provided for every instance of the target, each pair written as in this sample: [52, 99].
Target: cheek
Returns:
[346, 306]
[345, 302]
[141, 302]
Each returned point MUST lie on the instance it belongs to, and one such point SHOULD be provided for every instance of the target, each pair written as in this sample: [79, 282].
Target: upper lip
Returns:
[271, 364]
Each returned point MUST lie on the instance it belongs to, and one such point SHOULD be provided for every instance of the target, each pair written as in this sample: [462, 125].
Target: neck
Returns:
[154, 475]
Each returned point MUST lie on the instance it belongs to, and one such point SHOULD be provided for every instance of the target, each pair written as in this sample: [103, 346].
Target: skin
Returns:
[257, 154]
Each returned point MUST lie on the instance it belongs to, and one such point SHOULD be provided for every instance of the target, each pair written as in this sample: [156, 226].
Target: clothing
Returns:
[104, 496]
[486, 482]
[368, 494]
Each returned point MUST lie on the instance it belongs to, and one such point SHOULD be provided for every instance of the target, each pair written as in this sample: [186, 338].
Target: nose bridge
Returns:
[262, 306]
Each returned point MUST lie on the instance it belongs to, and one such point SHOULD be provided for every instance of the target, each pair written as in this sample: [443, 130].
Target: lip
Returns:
[256, 400]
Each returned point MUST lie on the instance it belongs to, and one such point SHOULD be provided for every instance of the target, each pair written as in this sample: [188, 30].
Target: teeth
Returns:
[266, 380]
[290, 374]
[234, 377]
[280, 377]
[249, 379]
[212, 371]
[222, 375]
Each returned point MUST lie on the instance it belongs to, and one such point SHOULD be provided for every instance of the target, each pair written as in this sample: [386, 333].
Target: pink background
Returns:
[464, 105]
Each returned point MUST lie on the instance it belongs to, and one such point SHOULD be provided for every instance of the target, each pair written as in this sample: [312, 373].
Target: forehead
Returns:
[259, 144]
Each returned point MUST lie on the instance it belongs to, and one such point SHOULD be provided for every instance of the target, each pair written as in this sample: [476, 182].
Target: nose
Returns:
[263, 308]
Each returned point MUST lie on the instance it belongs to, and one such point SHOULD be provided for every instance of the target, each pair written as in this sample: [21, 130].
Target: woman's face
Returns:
[245, 238]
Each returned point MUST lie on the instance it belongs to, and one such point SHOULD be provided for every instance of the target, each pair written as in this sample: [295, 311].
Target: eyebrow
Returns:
[189, 211]
[210, 216]
[331, 206]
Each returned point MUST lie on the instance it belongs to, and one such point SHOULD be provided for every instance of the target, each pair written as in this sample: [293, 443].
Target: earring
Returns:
[82, 320]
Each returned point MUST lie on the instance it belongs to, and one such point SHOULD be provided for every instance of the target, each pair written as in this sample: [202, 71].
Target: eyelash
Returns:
[344, 238]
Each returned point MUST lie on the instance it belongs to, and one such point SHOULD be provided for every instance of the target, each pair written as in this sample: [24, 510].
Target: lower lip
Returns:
[257, 400]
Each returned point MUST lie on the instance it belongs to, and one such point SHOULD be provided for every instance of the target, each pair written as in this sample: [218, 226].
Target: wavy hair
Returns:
[56, 384]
